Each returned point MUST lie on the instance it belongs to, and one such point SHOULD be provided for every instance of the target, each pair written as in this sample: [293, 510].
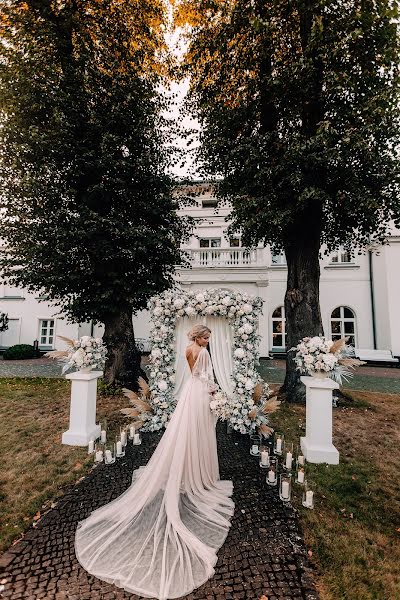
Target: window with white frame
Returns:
[341, 256]
[234, 242]
[46, 332]
[343, 324]
[278, 259]
[279, 328]
[210, 242]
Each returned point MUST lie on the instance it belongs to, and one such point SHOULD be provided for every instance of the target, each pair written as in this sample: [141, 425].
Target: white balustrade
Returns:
[223, 257]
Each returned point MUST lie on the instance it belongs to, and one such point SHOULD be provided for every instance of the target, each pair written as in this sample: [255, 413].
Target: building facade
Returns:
[359, 295]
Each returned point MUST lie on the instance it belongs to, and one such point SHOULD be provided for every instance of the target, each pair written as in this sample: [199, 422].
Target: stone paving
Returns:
[263, 555]
[36, 367]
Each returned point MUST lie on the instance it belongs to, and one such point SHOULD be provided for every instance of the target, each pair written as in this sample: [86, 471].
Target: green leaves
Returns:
[86, 199]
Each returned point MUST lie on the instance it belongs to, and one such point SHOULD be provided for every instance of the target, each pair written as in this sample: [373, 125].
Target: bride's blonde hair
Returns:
[197, 331]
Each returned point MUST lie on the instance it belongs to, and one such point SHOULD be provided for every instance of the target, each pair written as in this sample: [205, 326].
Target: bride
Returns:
[160, 538]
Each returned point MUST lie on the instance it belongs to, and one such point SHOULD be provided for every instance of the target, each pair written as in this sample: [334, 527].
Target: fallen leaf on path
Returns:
[37, 516]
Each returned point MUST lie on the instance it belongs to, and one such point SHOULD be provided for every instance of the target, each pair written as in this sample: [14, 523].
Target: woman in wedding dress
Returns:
[160, 538]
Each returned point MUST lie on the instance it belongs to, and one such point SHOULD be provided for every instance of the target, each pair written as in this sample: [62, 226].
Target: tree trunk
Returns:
[123, 358]
[303, 315]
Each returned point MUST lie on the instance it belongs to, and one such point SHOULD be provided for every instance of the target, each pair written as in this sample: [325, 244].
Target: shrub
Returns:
[19, 352]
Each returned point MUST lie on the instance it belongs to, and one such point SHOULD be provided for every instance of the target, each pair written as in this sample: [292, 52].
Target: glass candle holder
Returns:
[300, 458]
[137, 438]
[285, 487]
[109, 454]
[264, 456]
[124, 436]
[300, 475]
[103, 431]
[279, 444]
[120, 448]
[98, 453]
[308, 495]
[288, 462]
[272, 473]
[91, 446]
[255, 441]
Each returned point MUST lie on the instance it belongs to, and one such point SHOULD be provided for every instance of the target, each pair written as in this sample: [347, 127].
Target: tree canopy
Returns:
[298, 102]
[88, 210]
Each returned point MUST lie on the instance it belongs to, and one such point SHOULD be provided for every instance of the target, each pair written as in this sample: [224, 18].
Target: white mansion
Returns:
[359, 297]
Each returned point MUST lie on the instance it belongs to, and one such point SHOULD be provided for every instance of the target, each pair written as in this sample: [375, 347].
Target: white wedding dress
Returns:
[159, 539]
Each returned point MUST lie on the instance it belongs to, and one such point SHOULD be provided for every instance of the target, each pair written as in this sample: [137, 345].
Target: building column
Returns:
[263, 321]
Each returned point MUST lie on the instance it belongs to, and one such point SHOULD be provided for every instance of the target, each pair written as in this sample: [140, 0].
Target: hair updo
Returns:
[197, 331]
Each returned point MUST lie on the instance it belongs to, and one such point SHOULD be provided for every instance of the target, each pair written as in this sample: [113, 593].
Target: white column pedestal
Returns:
[317, 446]
[82, 416]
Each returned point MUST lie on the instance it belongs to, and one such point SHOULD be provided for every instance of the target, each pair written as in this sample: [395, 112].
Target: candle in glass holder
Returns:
[131, 431]
[254, 449]
[300, 475]
[289, 460]
[123, 437]
[136, 438]
[99, 455]
[309, 498]
[300, 460]
[108, 456]
[279, 445]
[264, 458]
[271, 476]
[90, 446]
[103, 437]
[285, 489]
[119, 448]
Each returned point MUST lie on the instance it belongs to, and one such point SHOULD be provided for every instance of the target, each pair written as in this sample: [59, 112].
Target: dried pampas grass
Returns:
[68, 341]
[338, 345]
[258, 392]
[265, 430]
[56, 354]
[137, 402]
[144, 388]
[271, 405]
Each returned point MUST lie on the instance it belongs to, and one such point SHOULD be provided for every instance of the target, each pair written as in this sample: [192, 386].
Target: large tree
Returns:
[88, 212]
[299, 107]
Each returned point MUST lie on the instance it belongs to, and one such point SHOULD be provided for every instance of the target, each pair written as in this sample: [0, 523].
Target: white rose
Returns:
[190, 311]
[156, 352]
[239, 353]
[248, 328]
[247, 308]
[200, 297]
[179, 303]
[172, 378]
[249, 385]
[162, 385]
[158, 311]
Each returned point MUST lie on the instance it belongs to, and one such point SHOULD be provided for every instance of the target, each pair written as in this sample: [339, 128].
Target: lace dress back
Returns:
[159, 539]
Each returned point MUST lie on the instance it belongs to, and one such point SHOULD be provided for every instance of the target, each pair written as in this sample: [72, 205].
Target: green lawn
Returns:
[36, 467]
[354, 532]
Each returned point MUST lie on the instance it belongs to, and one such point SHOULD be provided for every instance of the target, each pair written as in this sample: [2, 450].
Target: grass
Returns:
[354, 532]
[36, 467]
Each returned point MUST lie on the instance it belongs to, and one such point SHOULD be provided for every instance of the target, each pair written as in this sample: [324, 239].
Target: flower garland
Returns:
[242, 312]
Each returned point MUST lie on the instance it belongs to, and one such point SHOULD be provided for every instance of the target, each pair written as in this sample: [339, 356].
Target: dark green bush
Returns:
[19, 352]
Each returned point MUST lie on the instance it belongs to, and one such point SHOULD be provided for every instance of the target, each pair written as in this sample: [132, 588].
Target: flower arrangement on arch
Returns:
[320, 355]
[85, 353]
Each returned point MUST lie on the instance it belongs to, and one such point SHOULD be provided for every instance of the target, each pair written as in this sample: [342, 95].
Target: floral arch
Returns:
[241, 311]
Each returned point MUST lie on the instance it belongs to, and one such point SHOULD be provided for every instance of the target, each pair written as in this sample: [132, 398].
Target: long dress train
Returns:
[159, 539]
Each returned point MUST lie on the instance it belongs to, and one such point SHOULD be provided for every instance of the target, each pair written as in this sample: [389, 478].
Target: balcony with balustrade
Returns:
[211, 258]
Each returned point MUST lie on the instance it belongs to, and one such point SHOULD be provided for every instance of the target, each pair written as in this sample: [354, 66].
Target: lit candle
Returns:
[108, 456]
[309, 498]
[271, 476]
[103, 438]
[254, 449]
[285, 489]
[264, 458]
[300, 476]
[289, 460]
[91, 446]
[136, 438]
[131, 431]
[123, 438]
[300, 460]
[99, 455]
[119, 448]
[279, 445]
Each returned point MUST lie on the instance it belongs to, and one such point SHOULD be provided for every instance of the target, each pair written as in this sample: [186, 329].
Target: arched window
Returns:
[343, 324]
[279, 328]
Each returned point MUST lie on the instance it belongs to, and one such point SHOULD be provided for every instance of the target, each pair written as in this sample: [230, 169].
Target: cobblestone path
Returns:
[262, 555]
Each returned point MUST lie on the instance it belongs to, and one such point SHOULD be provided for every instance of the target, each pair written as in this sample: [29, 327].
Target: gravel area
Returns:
[263, 555]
